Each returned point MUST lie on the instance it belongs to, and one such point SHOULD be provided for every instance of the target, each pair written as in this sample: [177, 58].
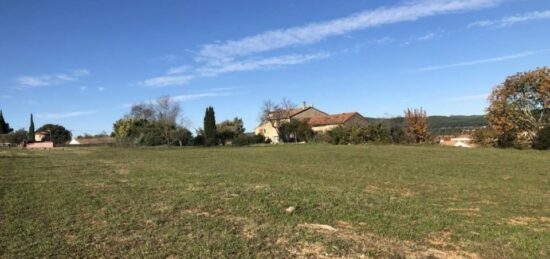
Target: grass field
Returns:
[377, 201]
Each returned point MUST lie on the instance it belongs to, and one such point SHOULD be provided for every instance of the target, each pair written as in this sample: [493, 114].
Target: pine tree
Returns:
[31, 130]
[210, 126]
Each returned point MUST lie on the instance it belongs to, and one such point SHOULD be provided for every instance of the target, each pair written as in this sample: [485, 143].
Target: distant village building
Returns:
[319, 121]
[41, 141]
[40, 136]
[460, 141]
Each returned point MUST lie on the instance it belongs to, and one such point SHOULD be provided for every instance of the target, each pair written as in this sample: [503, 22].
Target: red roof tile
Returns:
[330, 119]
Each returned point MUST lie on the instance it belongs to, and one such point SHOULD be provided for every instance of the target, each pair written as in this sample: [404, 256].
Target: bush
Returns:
[295, 131]
[15, 137]
[359, 135]
[245, 140]
[485, 137]
[542, 140]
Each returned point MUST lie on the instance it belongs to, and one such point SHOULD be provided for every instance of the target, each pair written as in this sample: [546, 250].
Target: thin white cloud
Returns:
[52, 79]
[178, 70]
[167, 80]
[184, 74]
[64, 115]
[5, 96]
[260, 64]
[427, 36]
[468, 98]
[482, 61]
[166, 58]
[383, 40]
[315, 32]
[195, 96]
[511, 20]
[241, 54]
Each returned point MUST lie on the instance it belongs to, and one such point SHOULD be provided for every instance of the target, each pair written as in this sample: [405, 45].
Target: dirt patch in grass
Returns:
[363, 243]
[535, 223]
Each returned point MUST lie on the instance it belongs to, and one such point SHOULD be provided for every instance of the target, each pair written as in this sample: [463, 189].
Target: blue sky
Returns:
[81, 63]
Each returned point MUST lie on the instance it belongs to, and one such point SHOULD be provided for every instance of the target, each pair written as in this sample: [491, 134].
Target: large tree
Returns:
[230, 129]
[520, 106]
[4, 126]
[167, 114]
[58, 133]
[210, 126]
[152, 123]
[416, 125]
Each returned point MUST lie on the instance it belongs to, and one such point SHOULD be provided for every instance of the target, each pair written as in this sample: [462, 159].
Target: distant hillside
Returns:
[440, 124]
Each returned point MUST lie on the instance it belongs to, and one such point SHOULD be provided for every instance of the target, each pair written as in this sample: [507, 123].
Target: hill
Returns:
[440, 124]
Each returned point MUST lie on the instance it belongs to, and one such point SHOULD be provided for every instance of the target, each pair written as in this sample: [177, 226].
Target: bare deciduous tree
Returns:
[167, 113]
[276, 114]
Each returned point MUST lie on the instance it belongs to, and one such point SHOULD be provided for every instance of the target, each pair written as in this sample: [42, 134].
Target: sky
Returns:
[82, 64]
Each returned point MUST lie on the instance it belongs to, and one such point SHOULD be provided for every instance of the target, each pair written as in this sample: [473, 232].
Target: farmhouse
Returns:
[41, 141]
[40, 136]
[319, 121]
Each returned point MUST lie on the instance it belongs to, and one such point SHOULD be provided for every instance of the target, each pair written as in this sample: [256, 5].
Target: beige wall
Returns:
[324, 128]
[39, 137]
[268, 131]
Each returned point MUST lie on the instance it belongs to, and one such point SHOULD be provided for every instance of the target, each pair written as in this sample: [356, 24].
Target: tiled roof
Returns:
[330, 119]
[281, 114]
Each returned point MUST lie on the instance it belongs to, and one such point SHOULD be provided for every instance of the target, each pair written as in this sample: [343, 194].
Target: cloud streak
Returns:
[243, 54]
[183, 75]
[52, 79]
[511, 20]
[64, 115]
[482, 61]
[315, 32]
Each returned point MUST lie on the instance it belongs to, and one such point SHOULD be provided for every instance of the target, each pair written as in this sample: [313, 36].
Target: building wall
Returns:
[268, 131]
[40, 145]
[39, 137]
[324, 128]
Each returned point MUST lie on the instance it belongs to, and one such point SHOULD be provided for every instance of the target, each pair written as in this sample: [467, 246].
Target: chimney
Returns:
[304, 104]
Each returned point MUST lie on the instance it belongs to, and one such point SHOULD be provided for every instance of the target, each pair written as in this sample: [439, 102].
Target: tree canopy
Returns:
[210, 126]
[520, 106]
[58, 133]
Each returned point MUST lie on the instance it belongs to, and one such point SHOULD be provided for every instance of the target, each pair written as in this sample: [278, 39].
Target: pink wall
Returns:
[40, 145]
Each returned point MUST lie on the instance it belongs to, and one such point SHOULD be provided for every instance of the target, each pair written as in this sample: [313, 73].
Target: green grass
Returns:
[383, 201]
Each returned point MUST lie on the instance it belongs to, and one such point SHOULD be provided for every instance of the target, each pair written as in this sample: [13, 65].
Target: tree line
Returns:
[57, 133]
[161, 122]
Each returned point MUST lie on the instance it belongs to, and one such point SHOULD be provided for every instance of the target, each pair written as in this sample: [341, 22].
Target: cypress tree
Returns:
[31, 130]
[3, 126]
[210, 126]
